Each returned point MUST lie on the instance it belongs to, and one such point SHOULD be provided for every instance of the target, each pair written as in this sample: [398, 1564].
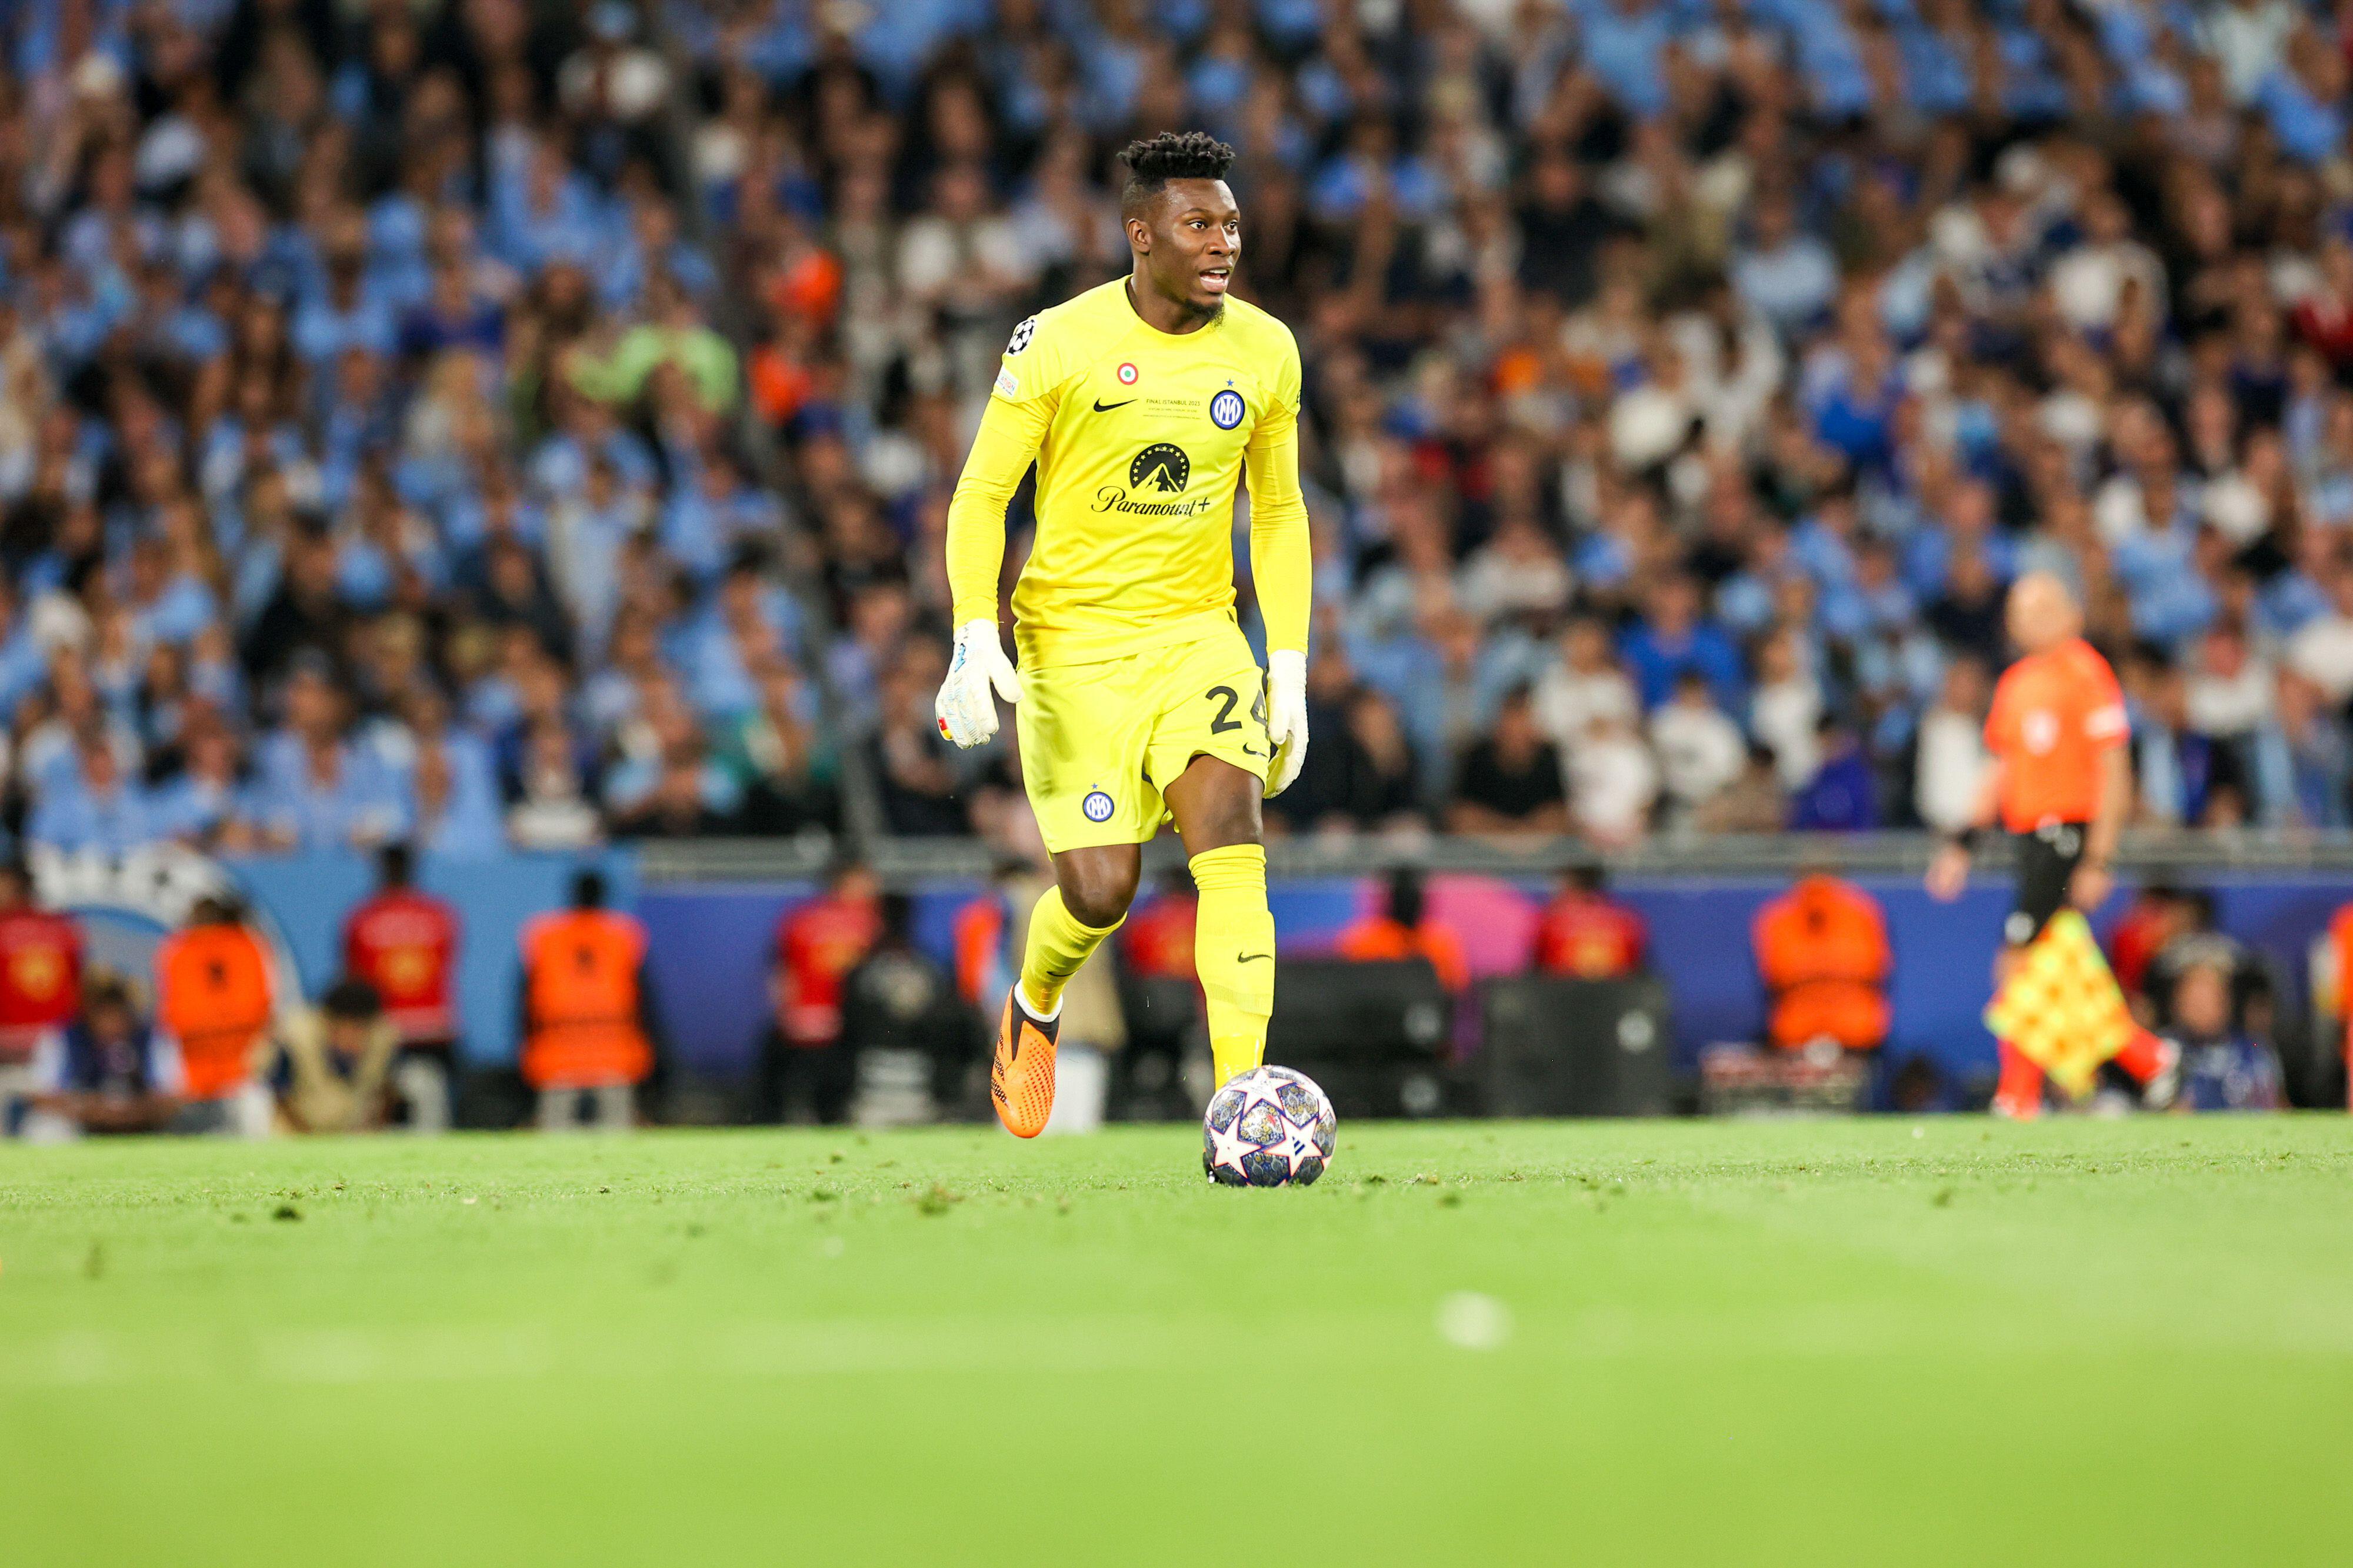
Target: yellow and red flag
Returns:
[2061, 1007]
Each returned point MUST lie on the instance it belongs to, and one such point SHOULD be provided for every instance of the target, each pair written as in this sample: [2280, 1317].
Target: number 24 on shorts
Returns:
[1228, 700]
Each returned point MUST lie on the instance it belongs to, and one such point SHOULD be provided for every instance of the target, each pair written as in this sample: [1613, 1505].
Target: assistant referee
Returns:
[2060, 784]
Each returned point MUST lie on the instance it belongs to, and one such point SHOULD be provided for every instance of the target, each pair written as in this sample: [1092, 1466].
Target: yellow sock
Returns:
[1233, 949]
[1058, 944]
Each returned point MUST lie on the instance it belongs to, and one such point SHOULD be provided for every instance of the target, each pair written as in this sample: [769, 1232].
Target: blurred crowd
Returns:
[412, 413]
[369, 460]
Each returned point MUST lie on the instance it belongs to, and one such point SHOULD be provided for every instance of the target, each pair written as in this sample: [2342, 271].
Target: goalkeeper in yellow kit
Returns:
[1143, 402]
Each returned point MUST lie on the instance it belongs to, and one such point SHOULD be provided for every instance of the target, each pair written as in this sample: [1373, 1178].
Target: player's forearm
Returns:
[1001, 453]
[2116, 800]
[1283, 562]
[976, 550]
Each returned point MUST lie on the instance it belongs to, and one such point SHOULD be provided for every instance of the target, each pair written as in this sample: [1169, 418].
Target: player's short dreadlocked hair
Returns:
[1171, 156]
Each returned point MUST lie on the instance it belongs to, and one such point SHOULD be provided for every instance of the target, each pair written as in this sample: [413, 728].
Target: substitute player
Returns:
[40, 982]
[2060, 784]
[1143, 403]
[403, 943]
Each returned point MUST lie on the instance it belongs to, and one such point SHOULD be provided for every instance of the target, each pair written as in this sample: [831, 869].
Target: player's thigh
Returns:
[2046, 864]
[1211, 703]
[1084, 731]
[1216, 804]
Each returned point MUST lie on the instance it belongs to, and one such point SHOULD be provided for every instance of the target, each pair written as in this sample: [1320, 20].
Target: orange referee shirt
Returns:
[2054, 715]
[2341, 937]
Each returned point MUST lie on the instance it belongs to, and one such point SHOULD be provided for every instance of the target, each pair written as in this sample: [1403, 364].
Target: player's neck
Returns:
[1162, 314]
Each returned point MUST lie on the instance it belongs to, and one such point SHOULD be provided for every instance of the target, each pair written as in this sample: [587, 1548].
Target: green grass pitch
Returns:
[1804, 1342]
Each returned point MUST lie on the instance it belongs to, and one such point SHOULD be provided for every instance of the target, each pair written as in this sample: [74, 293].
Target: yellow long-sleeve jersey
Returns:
[1140, 438]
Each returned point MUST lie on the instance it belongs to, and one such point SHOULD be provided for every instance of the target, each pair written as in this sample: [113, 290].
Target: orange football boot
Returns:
[1021, 1073]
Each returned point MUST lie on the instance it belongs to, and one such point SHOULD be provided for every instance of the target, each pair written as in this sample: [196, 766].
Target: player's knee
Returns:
[1097, 893]
[1100, 905]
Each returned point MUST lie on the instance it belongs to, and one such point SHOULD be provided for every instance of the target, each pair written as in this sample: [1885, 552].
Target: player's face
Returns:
[1192, 241]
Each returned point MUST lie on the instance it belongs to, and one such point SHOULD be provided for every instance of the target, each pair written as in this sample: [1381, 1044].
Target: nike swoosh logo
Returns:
[1102, 408]
[1251, 957]
[1247, 752]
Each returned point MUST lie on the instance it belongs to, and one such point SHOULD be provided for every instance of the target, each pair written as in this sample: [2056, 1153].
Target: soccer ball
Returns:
[1269, 1127]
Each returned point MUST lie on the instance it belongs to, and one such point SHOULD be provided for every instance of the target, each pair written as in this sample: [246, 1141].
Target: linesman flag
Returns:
[2061, 1007]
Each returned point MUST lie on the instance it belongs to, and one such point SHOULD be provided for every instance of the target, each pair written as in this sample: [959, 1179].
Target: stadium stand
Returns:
[486, 422]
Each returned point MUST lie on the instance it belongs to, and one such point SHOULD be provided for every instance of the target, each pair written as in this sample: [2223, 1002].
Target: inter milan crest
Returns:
[1225, 409]
[1162, 467]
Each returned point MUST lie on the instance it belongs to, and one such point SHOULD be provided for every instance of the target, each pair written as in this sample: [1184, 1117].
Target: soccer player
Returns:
[2060, 784]
[1143, 402]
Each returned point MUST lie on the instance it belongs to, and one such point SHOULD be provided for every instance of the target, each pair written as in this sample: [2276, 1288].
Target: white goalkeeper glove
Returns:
[1286, 717]
[967, 709]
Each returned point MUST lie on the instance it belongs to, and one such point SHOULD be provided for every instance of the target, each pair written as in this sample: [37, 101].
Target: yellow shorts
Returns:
[1101, 741]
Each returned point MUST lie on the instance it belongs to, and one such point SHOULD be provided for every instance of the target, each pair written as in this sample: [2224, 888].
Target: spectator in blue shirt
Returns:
[108, 1071]
[207, 804]
[343, 314]
[1783, 274]
[318, 788]
[2223, 1067]
[1672, 639]
[453, 316]
[1623, 40]
[452, 811]
[1843, 796]
[23, 662]
[2304, 98]
[92, 808]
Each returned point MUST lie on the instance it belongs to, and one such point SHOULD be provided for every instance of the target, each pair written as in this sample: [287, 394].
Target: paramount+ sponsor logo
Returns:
[1155, 486]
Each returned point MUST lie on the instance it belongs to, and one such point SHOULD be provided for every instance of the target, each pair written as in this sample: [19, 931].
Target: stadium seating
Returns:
[417, 423]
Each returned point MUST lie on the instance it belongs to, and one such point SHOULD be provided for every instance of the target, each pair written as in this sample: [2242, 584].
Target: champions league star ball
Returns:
[1270, 1127]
